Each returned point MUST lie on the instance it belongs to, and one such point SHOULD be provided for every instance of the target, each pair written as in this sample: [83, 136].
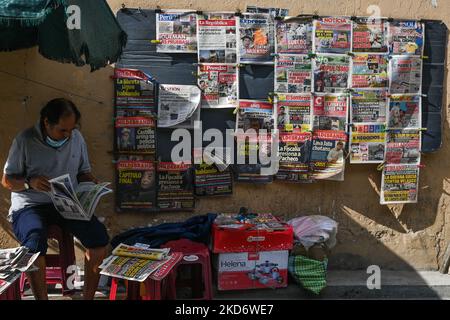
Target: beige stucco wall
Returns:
[396, 237]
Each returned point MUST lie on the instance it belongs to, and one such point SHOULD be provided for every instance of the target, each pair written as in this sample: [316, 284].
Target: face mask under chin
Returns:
[55, 143]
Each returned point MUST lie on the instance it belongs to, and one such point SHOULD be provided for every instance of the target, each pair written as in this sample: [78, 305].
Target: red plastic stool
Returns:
[196, 255]
[57, 264]
[153, 289]
[12, 293]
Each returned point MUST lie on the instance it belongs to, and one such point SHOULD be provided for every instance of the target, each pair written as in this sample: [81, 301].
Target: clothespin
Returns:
[142, 12]
[353, 18]
[235, 111]
[158, 9]
[238, 13]
[315, 15]
[424, 95]
[155, 41]
[351, 54]
[390, 19]
[240, 65]
[199, 12]
[278, 18]
[381, 166]
[424, 57]
[423, 129]
[421, 165]
[195, 74]
[311, 55]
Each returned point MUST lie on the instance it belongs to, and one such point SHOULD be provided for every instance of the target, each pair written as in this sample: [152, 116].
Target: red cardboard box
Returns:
[239, 240]
[249, 270]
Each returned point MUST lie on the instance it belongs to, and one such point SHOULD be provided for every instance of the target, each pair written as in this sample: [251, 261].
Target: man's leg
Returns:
[93, 259]
[30, 228]
[37, 280]
[94, 237]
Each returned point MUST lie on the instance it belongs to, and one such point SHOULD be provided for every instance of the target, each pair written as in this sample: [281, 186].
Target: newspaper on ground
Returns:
[406, 37]
[217, 38]
[134, 264]
[370, 35]
[399, 184]
[405, 75]
[330, 112]
[405, 112]
[333, 35]
[256, 41]
[403, 147]
[13, 262]
[367, 143]
[176, 31]
[331, 73]
[292, 73]
[79, 203]
[368, 106]
[219, 85]
[177, 104]
[293, 35]
[370, 71]
[124, 250]
[294, 112]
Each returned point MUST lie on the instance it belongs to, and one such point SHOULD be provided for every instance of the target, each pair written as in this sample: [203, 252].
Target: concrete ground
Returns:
[340, 285]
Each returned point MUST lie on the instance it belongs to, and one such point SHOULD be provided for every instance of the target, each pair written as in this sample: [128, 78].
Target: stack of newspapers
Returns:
[134, 263]
[13, 262]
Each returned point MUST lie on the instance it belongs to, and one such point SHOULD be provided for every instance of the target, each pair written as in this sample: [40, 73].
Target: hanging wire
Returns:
[50, 87]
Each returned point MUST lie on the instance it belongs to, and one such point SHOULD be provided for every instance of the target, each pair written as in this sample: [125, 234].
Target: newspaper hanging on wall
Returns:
[370, 35]
[403, 147]
[333, 35]
[368, 106]
[134, 90]
[399, 184]
[176, 31]
[177, 104]
[217, 38]
[256, 44]
[404, 112]
[136, 185]
[293, 36]
[294, 152]
[219, 85]
[406, 74]
[328, 155]
[370, 71]
[294, 112]
[136, 135]
[253, 145]
[330, 112]
[175, 186]
[406, 37]
[367, 143]
[292, 74]
[331, 73]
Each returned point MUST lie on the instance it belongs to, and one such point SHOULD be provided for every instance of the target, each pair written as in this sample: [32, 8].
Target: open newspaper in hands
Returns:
[76, 204]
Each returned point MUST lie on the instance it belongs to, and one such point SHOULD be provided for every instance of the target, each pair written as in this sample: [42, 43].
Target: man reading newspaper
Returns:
[52, 148]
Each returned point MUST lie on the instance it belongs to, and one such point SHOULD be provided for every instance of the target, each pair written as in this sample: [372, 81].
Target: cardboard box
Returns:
[252, 270]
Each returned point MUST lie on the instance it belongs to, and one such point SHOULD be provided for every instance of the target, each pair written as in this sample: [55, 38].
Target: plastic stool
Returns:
[57, 264]
[153, 289]
[12, 292]
[196, 255]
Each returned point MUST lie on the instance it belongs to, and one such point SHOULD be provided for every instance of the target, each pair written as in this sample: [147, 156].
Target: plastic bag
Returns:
[310, 230]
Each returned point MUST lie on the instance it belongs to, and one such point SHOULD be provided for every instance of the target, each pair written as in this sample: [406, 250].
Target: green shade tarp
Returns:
[43, 23]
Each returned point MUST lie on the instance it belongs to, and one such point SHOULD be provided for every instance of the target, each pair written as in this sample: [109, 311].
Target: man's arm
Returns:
[87, 177]
[17, 184]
